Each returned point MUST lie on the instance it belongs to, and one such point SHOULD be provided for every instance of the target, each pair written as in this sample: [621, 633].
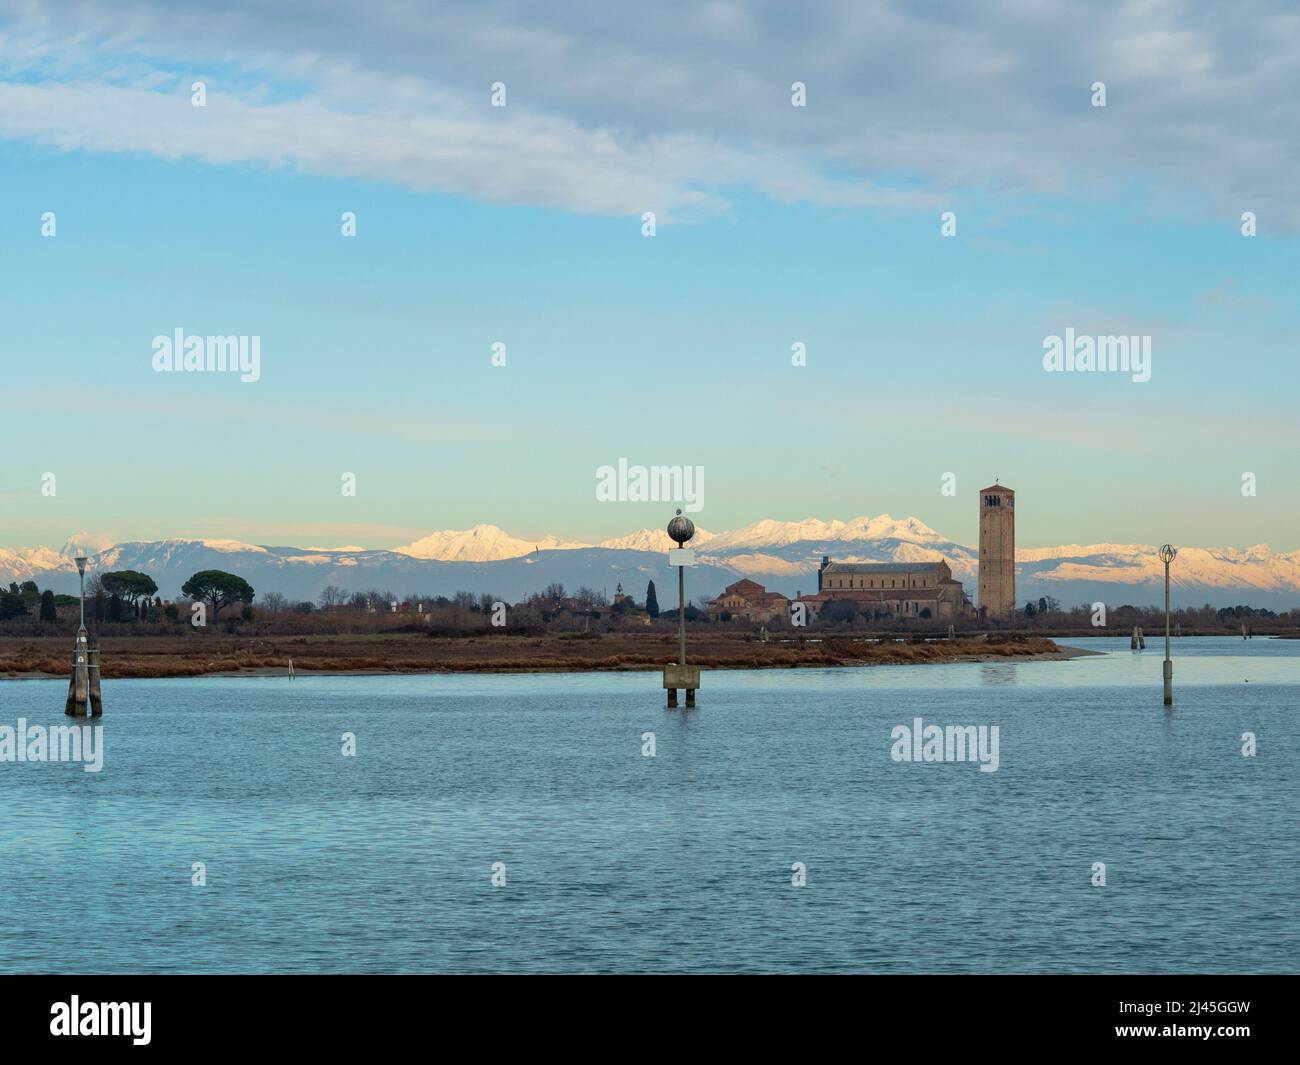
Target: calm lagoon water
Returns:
[681, 862]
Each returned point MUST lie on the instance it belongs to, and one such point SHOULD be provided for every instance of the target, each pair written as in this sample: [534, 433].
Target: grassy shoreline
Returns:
[392, 653]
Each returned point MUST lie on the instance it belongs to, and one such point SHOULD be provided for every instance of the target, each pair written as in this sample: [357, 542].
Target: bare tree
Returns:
[273, 602]
[332, 596]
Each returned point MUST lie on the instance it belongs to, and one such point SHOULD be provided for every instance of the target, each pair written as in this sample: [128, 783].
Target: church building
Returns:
[921, 590]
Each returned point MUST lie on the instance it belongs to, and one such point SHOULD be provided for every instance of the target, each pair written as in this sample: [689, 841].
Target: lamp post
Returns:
[81, 570]
[680, 531]
[83, 684]
[1167, 554]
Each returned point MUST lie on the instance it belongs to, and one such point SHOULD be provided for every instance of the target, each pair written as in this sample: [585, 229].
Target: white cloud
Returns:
[666, 108]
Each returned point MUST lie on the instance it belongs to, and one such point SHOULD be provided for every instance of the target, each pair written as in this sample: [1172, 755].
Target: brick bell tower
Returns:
[997, 577]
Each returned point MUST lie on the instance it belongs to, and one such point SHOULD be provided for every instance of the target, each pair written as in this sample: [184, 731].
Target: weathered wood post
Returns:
[680, 530]
[1167, 554]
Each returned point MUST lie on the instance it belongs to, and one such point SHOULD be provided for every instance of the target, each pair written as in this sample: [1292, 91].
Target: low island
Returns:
[208, 654]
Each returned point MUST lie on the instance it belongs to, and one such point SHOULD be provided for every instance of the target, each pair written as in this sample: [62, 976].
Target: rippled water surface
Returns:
[382, 862]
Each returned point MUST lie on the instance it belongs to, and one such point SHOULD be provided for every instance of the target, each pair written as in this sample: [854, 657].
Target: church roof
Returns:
[998, 488]
[883, 567]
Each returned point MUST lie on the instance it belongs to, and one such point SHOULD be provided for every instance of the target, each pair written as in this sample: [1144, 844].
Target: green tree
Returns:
[651, 601]
[48, 611]
[128, 584]
[838, 611]
[12, 606]
[219, 588]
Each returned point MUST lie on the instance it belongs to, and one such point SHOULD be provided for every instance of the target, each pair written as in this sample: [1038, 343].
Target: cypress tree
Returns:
[651, 603]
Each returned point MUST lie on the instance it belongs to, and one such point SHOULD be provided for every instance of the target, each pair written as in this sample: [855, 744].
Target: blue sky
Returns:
[523, 225]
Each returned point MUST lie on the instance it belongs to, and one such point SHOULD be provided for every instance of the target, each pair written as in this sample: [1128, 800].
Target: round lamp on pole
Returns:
[680, 531]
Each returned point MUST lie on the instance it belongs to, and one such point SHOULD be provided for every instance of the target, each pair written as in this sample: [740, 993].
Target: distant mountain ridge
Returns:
[781, 554]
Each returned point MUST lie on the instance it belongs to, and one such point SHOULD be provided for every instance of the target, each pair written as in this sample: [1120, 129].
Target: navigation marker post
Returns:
[1167, 554]
[680, 531]
[84, 699]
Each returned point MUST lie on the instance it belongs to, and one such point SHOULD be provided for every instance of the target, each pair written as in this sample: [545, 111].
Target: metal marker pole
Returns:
[681, 614]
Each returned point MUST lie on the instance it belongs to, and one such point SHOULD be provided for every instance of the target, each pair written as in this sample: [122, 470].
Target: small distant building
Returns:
[751, 601]
[920, 590]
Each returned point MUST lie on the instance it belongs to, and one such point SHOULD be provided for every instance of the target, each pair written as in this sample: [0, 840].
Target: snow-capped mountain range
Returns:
[780, 554]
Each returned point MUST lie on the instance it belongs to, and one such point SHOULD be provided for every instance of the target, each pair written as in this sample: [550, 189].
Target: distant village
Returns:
[898, 591]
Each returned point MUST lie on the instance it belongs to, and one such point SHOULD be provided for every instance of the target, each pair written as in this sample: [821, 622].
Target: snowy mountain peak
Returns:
[20, 564]
[651, 540]
[770, 533]
[482, 543]
[782, 554]
[85, 543]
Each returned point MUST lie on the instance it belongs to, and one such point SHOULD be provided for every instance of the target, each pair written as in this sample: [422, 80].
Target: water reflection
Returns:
[997, 673]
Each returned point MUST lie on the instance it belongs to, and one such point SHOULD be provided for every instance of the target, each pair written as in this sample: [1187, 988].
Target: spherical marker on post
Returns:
[680, 531]
[1167, 554]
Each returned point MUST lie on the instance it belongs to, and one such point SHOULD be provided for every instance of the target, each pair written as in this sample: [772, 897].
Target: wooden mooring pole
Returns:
[84, 696]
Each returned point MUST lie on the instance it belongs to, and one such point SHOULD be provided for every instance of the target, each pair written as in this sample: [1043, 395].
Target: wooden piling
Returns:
[84, 696]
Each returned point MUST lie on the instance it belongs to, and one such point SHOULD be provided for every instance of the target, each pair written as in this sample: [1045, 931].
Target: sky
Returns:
[775, 225]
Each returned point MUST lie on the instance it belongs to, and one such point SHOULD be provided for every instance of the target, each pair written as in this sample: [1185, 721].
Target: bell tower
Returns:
[997, 577]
